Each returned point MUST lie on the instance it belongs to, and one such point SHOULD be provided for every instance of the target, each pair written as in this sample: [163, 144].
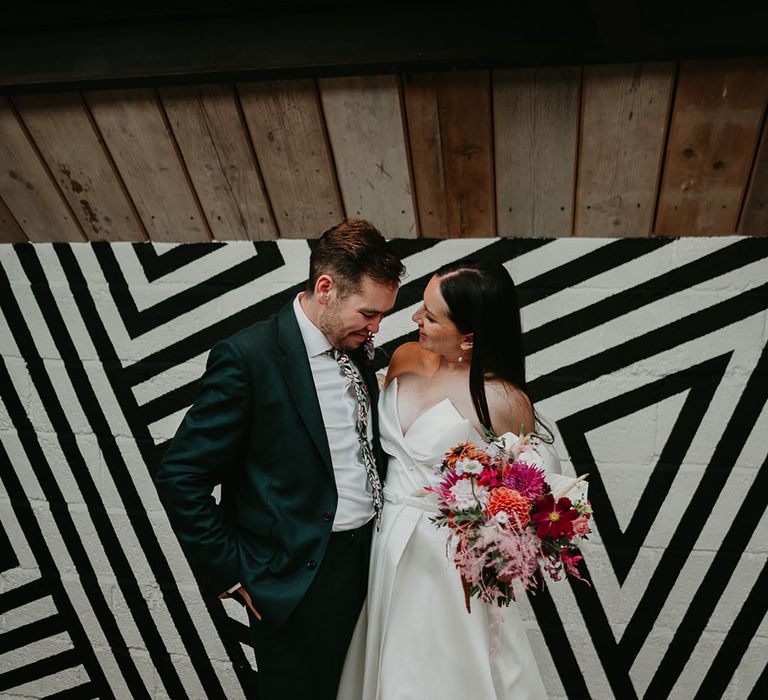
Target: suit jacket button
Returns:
[311, 564]
[327, 517]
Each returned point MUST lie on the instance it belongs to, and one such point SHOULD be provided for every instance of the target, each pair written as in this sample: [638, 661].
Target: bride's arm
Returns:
[511, 410]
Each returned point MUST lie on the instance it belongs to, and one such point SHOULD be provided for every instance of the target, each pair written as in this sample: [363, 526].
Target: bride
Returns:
[467, 371]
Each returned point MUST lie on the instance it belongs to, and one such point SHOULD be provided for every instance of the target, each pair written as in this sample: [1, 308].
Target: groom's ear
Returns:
[323, 288]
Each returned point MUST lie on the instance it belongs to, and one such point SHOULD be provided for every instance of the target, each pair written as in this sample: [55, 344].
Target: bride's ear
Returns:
[467, 342]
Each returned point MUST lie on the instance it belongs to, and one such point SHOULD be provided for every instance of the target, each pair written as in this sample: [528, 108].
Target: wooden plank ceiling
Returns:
[606, 150]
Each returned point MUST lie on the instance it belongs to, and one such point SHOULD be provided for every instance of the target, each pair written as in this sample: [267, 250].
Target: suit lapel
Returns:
[294, 365]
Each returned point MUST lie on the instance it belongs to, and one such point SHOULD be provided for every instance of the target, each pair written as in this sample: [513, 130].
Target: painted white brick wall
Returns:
[626, 450]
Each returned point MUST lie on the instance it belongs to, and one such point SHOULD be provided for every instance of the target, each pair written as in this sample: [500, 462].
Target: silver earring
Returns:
[461, 359]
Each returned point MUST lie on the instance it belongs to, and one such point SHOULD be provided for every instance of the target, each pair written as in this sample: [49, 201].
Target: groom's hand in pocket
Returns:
[246, 598]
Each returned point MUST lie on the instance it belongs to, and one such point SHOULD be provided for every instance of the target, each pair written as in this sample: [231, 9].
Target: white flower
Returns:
[466, 496]
[468, 466]
[521, 449]
[502, 517]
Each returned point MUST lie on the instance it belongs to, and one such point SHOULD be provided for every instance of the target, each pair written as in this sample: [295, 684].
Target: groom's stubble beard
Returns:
[331, 325]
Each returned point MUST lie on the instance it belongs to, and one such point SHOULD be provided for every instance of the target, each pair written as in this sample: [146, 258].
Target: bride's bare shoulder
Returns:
[510, 408]
[409, 358]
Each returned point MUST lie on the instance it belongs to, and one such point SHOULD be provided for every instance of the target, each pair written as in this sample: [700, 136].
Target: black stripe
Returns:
[118, 560]
[551, 627]
[167, 404]
[708, 267]
[39, 669]
[85, 691]
[614, 664]
[27, 593]
[8, 558]
[736, 641]
[31, 632]
[405, 247]
[45, 476]
[266, 259]
[697, 512]
[760, 689]
[157, 265]
[698, 613]
[584, 267]
[695, 325]
[137, 512]
[39, 547]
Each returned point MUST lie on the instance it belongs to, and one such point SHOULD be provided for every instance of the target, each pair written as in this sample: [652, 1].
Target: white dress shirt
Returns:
[338, 406]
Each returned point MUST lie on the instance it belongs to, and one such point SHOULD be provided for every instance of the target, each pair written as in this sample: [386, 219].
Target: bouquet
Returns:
[505, 522]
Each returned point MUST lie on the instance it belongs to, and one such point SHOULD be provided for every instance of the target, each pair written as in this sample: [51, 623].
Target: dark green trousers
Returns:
[303, 660]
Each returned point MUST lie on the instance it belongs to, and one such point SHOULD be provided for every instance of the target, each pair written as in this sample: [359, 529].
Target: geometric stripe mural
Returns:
[648, 358]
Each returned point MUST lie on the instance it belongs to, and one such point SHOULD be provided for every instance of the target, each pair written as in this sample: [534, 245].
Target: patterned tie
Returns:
[361, 426]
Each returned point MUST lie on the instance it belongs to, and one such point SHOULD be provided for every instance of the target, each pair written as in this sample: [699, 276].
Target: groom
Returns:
[285, 420]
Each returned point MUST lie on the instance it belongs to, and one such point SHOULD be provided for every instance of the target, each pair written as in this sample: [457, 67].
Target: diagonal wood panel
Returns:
[449, 130]
[715, 128]
[754, 218]
[62, 130]
[536, 128]
[365, 127]
[286, 127]
[27, 188]
[10, 231]
[624, 120]
[212, 139]
[135, 132]
[426, 154]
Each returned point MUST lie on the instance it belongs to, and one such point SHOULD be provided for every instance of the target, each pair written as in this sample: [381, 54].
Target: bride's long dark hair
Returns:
[482, 300]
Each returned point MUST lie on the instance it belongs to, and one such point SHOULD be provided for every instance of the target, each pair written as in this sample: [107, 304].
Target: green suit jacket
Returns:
[256, 429]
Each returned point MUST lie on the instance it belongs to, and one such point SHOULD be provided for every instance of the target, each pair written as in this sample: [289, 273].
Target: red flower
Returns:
[552, 518]
[570, 562]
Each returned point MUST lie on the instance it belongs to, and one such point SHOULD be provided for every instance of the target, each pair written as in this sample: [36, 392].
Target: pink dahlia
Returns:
[526, 479]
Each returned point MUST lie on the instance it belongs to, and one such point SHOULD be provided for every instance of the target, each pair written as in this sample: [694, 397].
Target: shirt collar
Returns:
[314, 340]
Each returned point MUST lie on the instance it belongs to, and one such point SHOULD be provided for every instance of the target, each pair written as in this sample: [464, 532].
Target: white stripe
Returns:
[553, 254]
[619, 278]
[172, 378]
[650, 317]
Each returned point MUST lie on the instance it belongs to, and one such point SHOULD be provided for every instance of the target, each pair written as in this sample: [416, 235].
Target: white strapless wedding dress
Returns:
[419, 642]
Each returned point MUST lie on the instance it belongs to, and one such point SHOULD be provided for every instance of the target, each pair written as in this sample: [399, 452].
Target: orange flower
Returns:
[465, 450]
[517, 507]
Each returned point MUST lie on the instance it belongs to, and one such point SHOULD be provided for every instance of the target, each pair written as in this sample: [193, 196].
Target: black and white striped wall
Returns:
[649, 357]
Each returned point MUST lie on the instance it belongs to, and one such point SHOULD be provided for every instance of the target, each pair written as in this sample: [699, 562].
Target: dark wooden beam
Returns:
[249, 41]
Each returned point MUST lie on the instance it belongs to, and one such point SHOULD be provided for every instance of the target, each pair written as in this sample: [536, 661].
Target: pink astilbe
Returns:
[520, 552]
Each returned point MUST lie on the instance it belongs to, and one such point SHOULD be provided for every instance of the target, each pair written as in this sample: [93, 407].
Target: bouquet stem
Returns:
[466, 588]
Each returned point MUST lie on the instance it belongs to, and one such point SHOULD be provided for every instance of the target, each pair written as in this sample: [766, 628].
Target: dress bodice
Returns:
[415, 453]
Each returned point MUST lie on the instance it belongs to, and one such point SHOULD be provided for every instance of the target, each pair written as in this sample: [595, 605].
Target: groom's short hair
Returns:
[350, 250]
